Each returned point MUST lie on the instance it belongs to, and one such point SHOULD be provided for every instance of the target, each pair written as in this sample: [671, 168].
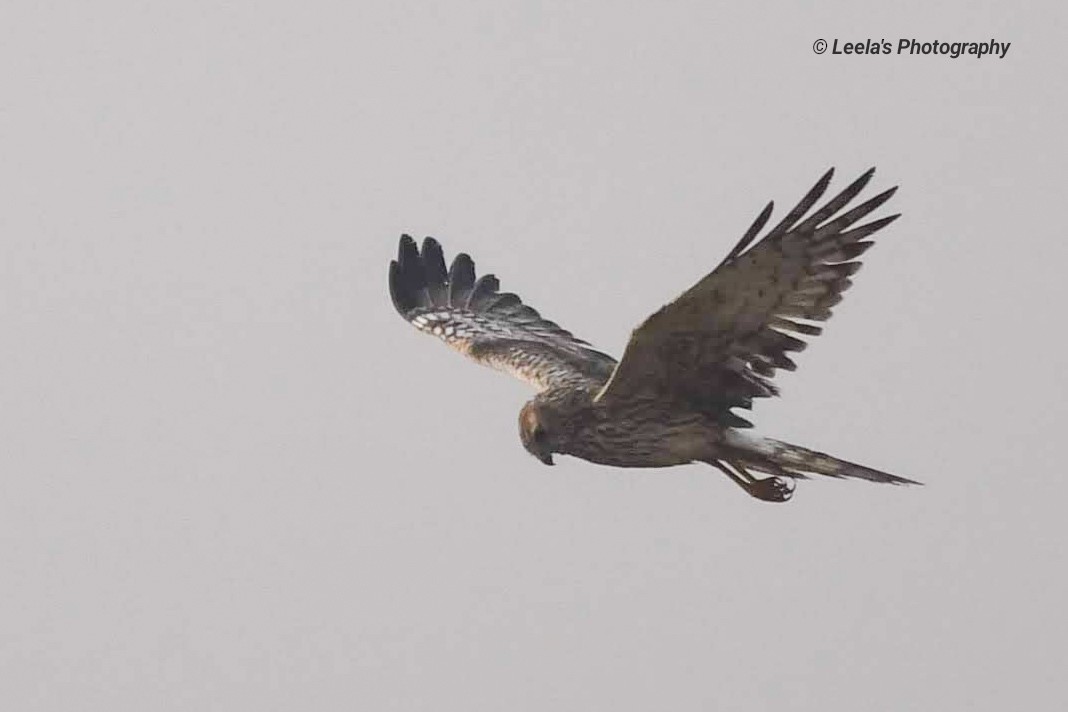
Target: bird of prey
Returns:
[670, 399]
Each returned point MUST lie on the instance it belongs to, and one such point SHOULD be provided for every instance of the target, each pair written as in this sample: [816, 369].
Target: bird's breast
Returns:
[645, 438]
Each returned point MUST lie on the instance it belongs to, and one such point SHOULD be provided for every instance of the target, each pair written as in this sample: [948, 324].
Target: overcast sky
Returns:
[232, 478]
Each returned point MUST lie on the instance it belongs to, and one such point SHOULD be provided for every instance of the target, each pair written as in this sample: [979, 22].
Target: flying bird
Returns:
[670, 399]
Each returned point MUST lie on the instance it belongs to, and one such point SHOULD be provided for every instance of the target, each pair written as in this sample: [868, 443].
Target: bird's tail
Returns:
[778, 458]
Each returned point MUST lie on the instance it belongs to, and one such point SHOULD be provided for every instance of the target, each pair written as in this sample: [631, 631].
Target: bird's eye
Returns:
[539, 434]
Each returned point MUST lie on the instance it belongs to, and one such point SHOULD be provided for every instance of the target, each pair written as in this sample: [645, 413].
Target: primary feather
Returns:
[494, 328]
[720, 342]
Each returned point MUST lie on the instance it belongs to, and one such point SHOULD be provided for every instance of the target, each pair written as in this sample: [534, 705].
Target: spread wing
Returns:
[489, 326]
[717, 345]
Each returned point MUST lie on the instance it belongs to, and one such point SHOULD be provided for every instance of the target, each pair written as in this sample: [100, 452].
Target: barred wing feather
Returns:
[718, 345]
[491, 327]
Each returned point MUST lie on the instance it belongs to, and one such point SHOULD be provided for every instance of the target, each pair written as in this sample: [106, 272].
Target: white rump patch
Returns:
[752, 443]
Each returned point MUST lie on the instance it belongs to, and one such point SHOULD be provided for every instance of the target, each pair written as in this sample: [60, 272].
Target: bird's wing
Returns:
[489, 326]
[717, 345]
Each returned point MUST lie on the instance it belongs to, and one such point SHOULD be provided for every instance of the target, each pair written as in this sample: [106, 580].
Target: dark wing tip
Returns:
[484, 289]
[403, 299]
[437, 278]
[821, 185]
[886, 194]
[406, 248]
[407, 278]
[462, 263]
[872, 227]
[461, 279]
[752, 232]
[799, 210]
[819, 189]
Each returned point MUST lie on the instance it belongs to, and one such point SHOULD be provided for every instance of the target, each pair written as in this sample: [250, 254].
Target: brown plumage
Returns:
[670, 399]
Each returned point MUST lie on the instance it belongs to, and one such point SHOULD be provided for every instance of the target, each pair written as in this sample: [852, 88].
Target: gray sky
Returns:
[233, 479]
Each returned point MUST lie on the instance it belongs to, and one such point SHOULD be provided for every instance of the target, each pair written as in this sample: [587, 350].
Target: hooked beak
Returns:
[547, 458]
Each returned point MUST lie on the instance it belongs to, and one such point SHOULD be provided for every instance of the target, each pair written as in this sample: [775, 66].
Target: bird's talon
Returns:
[773, 489]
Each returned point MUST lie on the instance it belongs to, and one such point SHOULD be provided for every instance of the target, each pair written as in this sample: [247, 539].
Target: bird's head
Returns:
[535, 431]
